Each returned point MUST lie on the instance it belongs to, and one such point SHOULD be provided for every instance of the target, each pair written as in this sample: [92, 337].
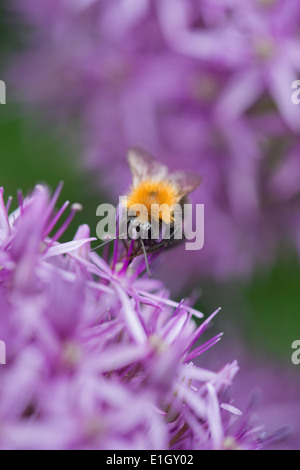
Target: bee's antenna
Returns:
[105, 243]
[146, 259]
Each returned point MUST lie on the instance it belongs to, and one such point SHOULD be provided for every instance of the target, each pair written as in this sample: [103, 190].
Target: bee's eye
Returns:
[138, 213]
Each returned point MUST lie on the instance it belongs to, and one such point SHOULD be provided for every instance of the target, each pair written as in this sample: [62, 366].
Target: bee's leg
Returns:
[137, 253]
[146, 259]
[135, 250]
[155, 248]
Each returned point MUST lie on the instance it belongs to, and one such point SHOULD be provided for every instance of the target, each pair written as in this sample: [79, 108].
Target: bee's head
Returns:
[138, 226]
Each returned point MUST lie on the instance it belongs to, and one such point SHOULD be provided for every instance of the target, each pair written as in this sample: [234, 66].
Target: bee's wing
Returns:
[185, 182]
[143, 165]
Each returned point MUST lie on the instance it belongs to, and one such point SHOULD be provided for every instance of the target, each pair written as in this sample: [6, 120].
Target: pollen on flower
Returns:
[230, 443]
[264, 47]
[71, 354]
[93, 427]
[161, 193]
[158, 344]
[205, 88]
[77, 207]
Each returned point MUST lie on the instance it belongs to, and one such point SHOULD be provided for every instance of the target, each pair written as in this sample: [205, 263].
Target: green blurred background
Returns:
[265, 308]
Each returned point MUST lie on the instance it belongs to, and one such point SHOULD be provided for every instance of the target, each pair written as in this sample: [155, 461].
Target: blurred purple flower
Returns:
[204, 83]
[98, 356]
[275, 387]
[256, 40]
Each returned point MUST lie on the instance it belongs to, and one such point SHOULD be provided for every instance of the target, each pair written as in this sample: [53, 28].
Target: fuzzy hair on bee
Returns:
[155, 191]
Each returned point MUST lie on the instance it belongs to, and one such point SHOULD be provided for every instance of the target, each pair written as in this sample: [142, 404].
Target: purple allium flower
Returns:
[204, 83]
[256, 40]
[275, 386]
[98, 356]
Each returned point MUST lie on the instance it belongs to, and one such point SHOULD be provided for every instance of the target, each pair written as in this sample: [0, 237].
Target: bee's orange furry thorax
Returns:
[150, 192]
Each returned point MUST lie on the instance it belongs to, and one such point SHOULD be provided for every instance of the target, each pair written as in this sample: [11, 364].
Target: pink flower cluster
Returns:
[98, 356]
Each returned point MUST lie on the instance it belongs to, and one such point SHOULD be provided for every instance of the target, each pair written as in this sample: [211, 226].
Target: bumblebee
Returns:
[156, 193]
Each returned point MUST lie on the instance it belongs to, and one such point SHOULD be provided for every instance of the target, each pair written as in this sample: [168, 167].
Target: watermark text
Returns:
[157, 222]
[296, 354]
[2, 92]
[296, 93]
[2, 353]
